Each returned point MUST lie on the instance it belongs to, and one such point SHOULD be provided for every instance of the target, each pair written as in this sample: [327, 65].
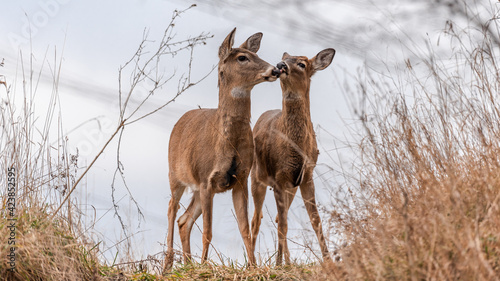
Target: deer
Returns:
[211, 150]
[286, 150]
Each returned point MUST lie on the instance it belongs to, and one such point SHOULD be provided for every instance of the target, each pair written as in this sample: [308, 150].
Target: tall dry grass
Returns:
[36, 171]
[428, 188]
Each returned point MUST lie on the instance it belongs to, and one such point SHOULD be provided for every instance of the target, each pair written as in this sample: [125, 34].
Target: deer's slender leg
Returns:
[307, 191]
[289, 195]
[206, 200]
[177, 190]
[279, 196]
[240, 201]
[258, 195]
[186, 222]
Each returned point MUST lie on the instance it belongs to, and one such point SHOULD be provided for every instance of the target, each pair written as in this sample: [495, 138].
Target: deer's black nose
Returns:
[281, 65]
[276, 72]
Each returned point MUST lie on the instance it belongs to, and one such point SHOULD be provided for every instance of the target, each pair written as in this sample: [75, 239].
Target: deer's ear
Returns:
[253, 42]
[323, 59]
[227, 45]
[285, 55]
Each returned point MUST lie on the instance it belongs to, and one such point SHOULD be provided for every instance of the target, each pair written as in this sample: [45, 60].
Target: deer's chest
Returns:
[294, 160]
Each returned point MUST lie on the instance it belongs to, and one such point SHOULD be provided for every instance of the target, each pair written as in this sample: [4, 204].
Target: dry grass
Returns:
[36, 171]
[429, 169]
[48, 250]
[210, 271]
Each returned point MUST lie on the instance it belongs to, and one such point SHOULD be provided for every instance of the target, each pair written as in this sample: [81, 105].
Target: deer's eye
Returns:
[242, 58]
[301, 65]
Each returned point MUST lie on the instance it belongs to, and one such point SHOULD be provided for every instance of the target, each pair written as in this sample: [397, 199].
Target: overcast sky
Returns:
[93, 39]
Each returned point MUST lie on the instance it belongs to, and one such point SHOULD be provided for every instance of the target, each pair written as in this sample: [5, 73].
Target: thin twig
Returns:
[120, 126]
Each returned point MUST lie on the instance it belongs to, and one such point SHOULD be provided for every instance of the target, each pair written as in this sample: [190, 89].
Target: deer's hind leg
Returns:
[307, 191]
[186, 222]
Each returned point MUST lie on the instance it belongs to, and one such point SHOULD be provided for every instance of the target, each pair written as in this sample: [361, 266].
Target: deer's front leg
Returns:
[289, 195]
[240, 201]
[280, 198]
[258, 195]
[206, 199]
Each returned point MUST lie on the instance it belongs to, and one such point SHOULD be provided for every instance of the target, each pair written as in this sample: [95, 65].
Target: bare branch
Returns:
[88, 168]
[145, 68]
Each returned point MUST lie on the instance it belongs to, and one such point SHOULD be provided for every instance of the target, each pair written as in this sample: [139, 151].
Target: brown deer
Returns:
[211, 150]
[286, 150]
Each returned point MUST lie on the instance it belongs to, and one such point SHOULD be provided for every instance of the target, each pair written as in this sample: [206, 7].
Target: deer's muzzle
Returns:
[283, 68]
[276, 72]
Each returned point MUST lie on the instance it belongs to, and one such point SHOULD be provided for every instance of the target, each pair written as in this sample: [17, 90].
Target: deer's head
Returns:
[241, 67]
[296, 71]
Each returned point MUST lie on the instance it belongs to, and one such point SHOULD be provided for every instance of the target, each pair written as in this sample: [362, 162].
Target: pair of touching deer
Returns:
[214, 150]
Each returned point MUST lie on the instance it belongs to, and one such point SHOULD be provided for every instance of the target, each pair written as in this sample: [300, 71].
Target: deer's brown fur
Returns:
[211, 150]
[286, 150]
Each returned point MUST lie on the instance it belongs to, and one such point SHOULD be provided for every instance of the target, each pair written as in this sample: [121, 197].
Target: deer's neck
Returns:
[296, 116]
[235, 103]
[234, 110]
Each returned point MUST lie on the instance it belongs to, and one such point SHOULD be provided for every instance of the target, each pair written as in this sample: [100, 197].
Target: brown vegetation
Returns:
[429, 189]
